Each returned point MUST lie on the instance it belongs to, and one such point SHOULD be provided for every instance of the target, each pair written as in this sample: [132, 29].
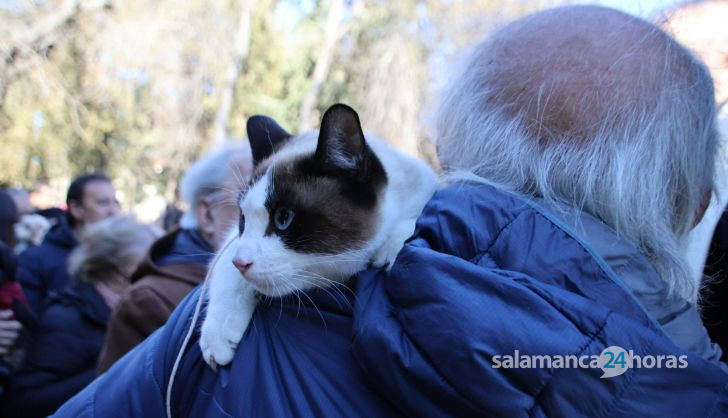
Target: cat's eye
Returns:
[241, 223]
[282, 218]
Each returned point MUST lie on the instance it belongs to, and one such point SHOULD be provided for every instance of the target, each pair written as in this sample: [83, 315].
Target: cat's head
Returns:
[313, 206]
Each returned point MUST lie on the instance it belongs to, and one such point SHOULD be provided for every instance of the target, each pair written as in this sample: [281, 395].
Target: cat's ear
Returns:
[265, 136]
[341, 141]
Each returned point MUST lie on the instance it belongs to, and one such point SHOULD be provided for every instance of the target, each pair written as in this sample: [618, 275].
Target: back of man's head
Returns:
[218, 174]
[594, 108]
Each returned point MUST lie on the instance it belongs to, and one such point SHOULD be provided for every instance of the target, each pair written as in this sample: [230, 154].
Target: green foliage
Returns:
[133, 89]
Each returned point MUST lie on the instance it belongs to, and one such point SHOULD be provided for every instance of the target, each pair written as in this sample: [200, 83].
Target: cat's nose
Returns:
[242, 265]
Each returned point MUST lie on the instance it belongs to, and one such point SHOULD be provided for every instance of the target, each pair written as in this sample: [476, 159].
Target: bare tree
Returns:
[21, 42]
[241, 49]
[332, 34]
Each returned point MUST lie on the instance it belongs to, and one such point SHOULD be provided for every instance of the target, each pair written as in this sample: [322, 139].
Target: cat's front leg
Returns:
[229, 310]
[384, 256]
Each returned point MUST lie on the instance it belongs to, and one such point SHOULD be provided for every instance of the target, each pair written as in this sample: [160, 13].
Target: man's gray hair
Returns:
[642, 169]
[107, 247]
[217, 172]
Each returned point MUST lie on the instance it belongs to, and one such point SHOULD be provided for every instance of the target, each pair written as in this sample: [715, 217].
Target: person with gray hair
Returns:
[178, 261]
[626, 137]
[545, 280]
[65, 346]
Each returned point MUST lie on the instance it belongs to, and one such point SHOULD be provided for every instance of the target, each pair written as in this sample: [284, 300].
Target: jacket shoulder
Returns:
[465, 219]
[489, 274]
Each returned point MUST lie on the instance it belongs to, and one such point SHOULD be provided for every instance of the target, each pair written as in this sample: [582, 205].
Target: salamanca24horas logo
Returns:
[613, 361]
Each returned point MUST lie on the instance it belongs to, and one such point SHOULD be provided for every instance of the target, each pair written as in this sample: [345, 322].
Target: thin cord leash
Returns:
[190, 331]
[178, 360]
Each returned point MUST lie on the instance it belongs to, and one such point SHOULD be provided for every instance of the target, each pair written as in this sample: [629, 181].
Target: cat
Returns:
[319, 208]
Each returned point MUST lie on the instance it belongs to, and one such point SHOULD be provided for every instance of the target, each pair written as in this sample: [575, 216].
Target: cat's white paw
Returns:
[386, 254]
[218, 342]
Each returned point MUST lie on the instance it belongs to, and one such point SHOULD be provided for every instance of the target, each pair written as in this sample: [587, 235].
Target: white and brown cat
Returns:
[319, 208]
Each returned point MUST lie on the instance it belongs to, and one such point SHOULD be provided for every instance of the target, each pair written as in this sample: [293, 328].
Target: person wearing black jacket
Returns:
[43, 269]
[65, 347]
[15, 317]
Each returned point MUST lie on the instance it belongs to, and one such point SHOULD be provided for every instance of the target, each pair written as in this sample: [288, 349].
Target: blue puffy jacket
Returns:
[487, 273]
[44, 268]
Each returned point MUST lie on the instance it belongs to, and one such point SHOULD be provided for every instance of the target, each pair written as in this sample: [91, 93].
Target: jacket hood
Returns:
[62, 234]
[191, 273]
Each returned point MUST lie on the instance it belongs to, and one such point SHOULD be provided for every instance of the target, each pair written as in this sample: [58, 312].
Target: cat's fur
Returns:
[318, 210]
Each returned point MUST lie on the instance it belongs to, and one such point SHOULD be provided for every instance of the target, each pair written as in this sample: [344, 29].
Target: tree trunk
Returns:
[241, 49]
[17, 44]
[323, 62]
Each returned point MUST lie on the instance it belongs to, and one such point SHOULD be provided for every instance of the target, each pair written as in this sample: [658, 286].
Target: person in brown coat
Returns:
[178, 261]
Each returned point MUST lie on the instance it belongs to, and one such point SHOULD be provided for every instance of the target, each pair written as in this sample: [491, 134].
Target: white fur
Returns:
[31, 229]
[278, 271]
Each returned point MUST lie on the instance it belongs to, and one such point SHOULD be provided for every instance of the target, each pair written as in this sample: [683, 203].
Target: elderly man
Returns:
[178, 261]
[42, 269]
[586, 140]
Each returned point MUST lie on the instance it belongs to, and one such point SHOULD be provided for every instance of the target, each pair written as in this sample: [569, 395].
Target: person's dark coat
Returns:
[12, 297]
[176, 263]
[487, 274]
[44, 268]
[715, 303]
[63, 353]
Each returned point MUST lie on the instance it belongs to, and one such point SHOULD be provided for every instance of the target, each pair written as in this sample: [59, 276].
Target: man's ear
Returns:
[704, 203]
[76, 210]
[203, 214]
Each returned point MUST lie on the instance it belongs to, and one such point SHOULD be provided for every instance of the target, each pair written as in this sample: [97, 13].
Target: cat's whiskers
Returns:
[291, 289]
[344, 253]
[337, 259]
[301, 291]
[309, 275]
[239, 177]
[196, 254]
[328, 286]
[307, 283]
[298, 292]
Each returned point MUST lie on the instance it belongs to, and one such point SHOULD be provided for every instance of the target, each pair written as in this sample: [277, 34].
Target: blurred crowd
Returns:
[81, 286]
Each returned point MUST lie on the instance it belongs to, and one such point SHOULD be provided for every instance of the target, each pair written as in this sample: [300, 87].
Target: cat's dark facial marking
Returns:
[330, 213]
